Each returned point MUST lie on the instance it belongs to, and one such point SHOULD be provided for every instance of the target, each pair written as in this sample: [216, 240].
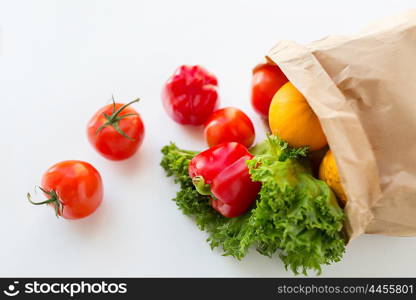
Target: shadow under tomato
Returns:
[131, 165]
[89, 227]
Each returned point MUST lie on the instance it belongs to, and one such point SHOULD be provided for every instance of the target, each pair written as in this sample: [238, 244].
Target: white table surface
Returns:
[61, 60]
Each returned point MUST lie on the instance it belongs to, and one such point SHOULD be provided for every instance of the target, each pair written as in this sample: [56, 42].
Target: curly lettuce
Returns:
[295, 216]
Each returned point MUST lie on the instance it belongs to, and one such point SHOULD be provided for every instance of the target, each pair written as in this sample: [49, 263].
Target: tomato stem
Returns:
[114, 119]
[54, 200]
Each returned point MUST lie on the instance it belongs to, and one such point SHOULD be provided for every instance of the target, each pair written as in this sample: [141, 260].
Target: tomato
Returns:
[229, 125]
[116, 131]
[190, 95]
[266, 80]
[74, 189]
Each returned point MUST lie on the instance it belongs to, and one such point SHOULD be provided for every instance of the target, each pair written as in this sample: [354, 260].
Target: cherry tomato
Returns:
[190, 95]
[267, 79]
[229, 125]
[74, 189]
[116, 131]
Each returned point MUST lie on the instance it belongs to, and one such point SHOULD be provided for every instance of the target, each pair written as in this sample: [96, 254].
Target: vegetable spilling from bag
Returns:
[342, 135]
[266, 196]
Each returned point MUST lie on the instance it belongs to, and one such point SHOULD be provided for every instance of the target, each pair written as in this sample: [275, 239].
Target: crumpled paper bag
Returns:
[363, 90]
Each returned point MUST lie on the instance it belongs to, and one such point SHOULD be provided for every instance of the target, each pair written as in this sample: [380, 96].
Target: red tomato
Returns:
[190, 95]
[116, 131]
[229, 125]
[74, 189]
[267, 79]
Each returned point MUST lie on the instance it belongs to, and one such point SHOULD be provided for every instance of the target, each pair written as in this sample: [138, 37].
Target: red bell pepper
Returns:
[222, 172]
[190, 95]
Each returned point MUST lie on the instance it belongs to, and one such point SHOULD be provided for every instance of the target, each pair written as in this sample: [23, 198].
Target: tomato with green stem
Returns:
[116, 131]
[74, 189]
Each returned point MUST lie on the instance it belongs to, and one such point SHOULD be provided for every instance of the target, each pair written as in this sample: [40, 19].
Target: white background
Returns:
[61, 60]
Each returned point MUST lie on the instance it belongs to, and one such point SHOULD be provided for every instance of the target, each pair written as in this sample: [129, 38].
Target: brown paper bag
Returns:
[363, 89]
